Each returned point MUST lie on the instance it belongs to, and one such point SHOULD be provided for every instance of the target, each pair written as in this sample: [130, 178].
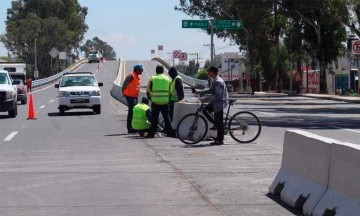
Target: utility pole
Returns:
[197, 58]
[36, 75]
[212, 22]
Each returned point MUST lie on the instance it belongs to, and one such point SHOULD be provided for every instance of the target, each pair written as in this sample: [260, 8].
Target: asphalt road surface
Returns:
[86, 164]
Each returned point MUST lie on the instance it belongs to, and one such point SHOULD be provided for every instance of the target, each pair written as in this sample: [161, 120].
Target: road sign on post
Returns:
[229, 24]
[195, 24]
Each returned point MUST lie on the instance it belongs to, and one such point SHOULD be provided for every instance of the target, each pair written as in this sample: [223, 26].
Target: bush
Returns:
[202, 74]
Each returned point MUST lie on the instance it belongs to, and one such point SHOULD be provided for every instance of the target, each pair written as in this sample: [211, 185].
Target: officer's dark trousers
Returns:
[131, 101]
[155, 112]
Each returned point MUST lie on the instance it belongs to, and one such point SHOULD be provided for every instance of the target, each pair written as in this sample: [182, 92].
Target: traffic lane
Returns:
[326, 118]
[149, 70]
[81, 163]
[41, 99]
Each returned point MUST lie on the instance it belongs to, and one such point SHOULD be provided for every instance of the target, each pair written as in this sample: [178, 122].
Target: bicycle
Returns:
[243, 126]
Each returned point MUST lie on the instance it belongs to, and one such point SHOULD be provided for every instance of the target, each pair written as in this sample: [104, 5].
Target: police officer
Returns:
[158, 90]
[141, 117]
[131, 90]
[176, 90]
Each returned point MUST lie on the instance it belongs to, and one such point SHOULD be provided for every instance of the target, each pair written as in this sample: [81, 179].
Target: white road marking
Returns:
[356, 131]
[266, 113]
[42, 106]
[10, 136]
[51, 101]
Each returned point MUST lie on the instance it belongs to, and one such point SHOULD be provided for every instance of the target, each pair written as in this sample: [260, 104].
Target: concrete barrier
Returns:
[183, 108]
[343, 195]
[303, 176]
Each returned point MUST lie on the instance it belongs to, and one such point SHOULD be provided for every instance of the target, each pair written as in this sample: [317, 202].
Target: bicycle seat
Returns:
[231, 101]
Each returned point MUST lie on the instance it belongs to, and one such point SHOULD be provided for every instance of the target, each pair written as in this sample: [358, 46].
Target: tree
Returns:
[48, 23]
[97, 44]
[318, 22]
[322, 32]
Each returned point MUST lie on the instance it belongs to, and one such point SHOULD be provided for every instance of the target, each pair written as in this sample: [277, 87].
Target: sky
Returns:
[135, 27]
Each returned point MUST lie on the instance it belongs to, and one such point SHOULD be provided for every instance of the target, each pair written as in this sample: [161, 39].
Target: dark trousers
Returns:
[171, 110]
[217, 120]
[131, 101]
[155, 112]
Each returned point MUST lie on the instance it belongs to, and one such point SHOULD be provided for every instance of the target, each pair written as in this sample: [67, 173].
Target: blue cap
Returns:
[138, 67]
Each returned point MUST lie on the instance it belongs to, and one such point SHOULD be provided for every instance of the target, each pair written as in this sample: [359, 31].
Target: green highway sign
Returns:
[229, 24]
[195, 24]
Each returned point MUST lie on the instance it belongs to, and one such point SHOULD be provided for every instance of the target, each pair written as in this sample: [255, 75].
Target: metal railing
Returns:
[190, 81]
[50, 79]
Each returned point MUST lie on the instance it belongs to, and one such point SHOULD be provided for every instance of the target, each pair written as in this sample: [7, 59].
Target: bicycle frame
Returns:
[227, 116]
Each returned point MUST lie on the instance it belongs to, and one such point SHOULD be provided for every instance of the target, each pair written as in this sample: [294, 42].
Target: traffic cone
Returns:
[31, 112]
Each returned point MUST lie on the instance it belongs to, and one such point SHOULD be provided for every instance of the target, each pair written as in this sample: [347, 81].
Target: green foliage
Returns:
[202, 74]
[97, 44]
[59, 24]
[306, 28]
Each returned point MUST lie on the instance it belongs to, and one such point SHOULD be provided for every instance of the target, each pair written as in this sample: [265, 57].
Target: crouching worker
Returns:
[141, 115]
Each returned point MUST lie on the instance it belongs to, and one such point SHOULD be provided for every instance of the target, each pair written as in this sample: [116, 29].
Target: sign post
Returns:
[195, 24]
[213, 24]
[229, 24]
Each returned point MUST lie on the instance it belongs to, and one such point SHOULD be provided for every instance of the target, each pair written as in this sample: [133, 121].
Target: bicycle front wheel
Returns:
[192, 128]
[244, 127]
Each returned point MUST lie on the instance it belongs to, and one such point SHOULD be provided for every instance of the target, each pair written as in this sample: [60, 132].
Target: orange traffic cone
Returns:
[31, 112]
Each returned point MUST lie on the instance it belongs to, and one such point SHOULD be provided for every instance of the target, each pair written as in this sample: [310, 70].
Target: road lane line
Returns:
[42, 106]
[266, 113]
[352, 130]
[51, 101]
[10, 136]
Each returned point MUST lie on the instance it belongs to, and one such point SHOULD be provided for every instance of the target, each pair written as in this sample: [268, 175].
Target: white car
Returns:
[8, 95]
[79, 90]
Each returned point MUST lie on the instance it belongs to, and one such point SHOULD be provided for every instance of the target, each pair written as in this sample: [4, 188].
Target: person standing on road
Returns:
[131, 91]
[141, 117]
[217, 101]
[158, 90]
[28, 84]
[244, 82]
[176, 90]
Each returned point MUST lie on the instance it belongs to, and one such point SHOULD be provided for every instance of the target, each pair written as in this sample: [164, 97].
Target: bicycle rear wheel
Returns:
[192, 128]
[244, 127]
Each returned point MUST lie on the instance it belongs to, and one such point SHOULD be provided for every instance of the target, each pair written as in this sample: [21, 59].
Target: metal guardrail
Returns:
[44, 81]
[190, 81]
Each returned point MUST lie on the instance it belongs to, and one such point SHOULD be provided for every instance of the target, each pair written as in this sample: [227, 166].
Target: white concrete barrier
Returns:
[303, 176]
[343, 195]
[183, 108]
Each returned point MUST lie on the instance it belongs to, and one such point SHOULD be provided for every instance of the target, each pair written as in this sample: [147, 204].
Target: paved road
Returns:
[85, 164]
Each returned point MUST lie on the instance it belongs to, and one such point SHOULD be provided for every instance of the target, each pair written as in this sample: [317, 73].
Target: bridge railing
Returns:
[44, 81]
[190, 81]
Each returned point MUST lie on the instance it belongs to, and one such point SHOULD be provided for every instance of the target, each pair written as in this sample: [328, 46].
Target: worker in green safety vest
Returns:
[158, 90]
[176, 90]
[141, 117]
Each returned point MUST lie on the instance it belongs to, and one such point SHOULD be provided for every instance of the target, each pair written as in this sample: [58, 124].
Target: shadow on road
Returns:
[289, 208]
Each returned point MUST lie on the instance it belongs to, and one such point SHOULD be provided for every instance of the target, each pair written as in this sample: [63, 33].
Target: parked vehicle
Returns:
[17, 71]
[8, 95]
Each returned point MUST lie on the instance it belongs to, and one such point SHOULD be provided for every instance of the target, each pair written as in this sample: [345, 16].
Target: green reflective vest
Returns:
[139, 120]
[173, 92]
[160, 92]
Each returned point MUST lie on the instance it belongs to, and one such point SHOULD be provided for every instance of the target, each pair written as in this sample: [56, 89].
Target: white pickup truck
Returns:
[8, 94]
[17, 72]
